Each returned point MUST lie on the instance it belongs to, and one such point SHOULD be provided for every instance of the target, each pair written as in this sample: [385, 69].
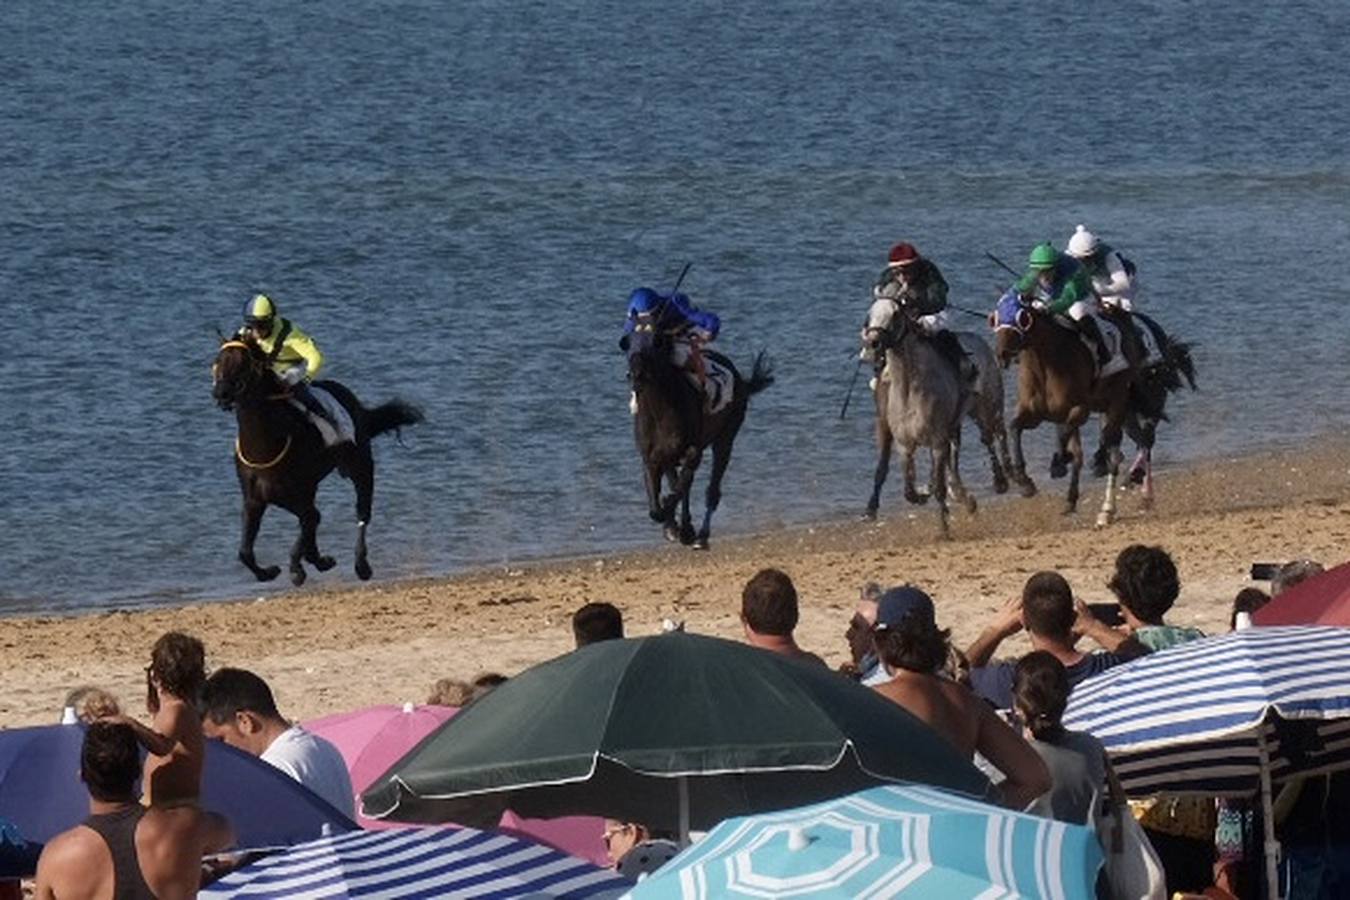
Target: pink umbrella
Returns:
[371, 740]
[1321, 600]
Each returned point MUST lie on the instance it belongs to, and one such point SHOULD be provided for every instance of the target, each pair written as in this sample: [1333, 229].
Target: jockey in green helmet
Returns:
[1058, 283]
[293, 354]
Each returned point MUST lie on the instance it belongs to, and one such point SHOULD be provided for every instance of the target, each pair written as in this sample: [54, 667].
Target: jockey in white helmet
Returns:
[1113, 276]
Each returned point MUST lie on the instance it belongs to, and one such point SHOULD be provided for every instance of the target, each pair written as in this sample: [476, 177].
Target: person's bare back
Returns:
[175, 777]
[169, 846]
[945, 706]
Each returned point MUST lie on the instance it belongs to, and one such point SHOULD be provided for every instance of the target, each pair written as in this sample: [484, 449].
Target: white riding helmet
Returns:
[1083, 243]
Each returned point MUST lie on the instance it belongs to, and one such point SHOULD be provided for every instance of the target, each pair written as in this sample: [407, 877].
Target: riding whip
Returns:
[1005, 266]
[849, 396]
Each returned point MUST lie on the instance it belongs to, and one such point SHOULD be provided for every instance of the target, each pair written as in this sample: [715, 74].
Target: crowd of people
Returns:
[146, 834]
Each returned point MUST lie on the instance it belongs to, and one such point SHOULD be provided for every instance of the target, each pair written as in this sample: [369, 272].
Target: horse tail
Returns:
[391, 416]
[761, 375]
[1178, 354]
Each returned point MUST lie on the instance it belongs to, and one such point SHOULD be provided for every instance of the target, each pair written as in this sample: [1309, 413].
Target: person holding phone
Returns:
[1146, 584]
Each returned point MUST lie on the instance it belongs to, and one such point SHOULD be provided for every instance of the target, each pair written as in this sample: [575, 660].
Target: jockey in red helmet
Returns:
[916, 286]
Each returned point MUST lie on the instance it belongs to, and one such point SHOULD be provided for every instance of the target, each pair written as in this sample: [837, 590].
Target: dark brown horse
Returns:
[280, 457]
[1056, 383]
[672, 429]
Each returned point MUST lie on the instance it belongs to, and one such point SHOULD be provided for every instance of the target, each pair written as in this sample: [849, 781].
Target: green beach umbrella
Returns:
[673, 731]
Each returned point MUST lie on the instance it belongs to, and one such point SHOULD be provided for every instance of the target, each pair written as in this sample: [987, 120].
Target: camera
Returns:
[1107, 612]
[1264, 571]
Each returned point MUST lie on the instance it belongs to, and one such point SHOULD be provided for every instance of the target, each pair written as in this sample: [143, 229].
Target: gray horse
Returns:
[920, 403]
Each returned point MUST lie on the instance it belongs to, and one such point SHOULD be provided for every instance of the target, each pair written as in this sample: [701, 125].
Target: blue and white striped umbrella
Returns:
[1199, 716]
[884, 842]
[419, 862]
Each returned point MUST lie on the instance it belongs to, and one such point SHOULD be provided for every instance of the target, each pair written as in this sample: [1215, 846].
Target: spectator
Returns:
[450, 692]
[597, 622]
[1247, 601]
[1077, 761]
[126, 850]
[913, 649]
[863, 663]
[1053, 619]
[238, 708]
[769, 615]
[1146, 585]
[1293, 573]
[91, 703]
[174, 743]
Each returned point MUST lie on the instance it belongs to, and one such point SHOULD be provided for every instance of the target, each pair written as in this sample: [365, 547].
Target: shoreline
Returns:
[320, 647]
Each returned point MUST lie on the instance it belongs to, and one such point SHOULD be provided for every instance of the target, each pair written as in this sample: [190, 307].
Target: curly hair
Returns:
[1145, 582]
[915, 644]
[178, 663]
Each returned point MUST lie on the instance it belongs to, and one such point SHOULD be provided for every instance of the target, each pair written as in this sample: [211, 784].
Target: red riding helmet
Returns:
[903, 255]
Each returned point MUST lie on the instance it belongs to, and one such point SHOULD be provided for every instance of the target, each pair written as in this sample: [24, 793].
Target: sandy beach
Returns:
[325, 650]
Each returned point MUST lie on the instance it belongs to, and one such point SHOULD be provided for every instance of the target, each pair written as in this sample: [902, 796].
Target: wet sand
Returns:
[326, 650]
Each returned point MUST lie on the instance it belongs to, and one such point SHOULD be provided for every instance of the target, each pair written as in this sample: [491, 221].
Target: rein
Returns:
[239, 454]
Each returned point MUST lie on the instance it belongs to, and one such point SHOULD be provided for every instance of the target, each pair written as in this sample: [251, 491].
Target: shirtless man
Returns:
[913, 650]
[123, 849]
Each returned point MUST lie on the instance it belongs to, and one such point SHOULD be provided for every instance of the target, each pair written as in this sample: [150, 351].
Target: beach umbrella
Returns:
[419, 862]
[673, 731]
[884, 842]
[1226, 716]
[41, 792]
[1324, 599]
[374, 738]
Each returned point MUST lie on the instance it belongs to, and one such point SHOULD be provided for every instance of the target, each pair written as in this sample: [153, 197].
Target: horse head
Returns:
[648, 354]
[240, 371]
[1012, 319]
[885, 328]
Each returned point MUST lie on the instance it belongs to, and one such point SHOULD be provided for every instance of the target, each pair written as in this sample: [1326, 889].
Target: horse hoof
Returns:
[323, 563]
[1099, 469]
[297, 576]
[700, 543]
[971, 506]
[671, 533]
[868, 515]
[687, 535]
[1069, 509]
[916, 498]
[363, 570]
[1136, 476]
[1058, 468]
[268, 573]
[1105, 518]
[1000, 485]
[1028, 488]
[657, 515]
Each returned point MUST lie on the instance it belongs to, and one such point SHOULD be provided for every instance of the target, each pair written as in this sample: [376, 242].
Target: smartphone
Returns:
[1265, 571]
[1107, 612]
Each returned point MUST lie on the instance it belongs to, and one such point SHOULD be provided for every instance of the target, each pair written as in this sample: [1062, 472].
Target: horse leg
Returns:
[684, 480]
[363, 479]
[1059, 463]
[907, 459]
[1111, 436]
[941, 460]
[721, 458]
[686, 518]
[313, 556]
[253, 514]
[958, 487]
[309, 527]
[884, 442]
[1073, 449]
[1019, 463]
[651, 475]
[986, 421]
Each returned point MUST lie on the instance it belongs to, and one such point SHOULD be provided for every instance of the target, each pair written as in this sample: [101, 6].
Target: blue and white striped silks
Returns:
[884, 842]
[1192, 718]
[419, 862]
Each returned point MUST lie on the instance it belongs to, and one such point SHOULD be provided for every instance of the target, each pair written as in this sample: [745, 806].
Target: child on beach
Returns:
[174, 741]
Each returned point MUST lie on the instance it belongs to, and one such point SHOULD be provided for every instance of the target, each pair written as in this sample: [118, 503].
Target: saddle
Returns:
[1112, 336]
[337, 427]
[718, 386]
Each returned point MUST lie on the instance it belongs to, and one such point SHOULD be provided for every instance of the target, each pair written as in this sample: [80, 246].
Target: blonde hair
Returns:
[450, 692]
[92, 703]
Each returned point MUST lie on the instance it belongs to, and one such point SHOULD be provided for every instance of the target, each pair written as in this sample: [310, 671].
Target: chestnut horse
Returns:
[280, 457]
[1056, 382]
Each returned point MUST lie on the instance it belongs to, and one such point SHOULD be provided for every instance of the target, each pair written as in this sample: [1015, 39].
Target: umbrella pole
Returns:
[683, 786]
[1272, 846]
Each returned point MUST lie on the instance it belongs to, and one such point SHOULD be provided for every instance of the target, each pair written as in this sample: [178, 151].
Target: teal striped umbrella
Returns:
[884, 842]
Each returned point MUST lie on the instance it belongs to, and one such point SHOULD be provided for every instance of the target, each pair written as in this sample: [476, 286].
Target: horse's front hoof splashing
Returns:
[363, 570]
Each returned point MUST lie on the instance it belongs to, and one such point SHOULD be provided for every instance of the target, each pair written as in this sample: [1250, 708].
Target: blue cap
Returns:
[899, 603]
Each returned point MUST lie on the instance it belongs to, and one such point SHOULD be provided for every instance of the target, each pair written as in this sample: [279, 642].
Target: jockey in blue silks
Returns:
[688, 327]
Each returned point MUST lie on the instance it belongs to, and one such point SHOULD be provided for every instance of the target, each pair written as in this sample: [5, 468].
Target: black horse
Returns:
[672, 429]
[281, 458]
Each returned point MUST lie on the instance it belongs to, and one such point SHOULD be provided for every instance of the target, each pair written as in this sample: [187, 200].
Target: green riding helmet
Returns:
[1043, 256]
[260, 312]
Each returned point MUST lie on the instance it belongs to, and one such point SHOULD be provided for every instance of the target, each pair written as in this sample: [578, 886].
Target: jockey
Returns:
[1057, 283]
[688, 327]
[293, 354]
[916, 286]
[1113, 276]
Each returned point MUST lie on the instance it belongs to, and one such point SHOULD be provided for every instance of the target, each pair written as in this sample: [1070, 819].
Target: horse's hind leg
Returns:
[362, 475]
[941, 462]
[907, 466]
[721, 458]
[253, 513]
[1019, 463]
[992, 430]
[305, 542]
[884, 442]
[958, 487]
[686, 520]
[1059, 463]
[1074, 451]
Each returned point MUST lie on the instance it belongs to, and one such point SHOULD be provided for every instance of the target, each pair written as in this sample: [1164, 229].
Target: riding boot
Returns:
[1088, 326]
[951, 349]
[313, 406]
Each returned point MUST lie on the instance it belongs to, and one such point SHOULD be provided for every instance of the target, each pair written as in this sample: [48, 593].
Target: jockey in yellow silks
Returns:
[293, 354]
